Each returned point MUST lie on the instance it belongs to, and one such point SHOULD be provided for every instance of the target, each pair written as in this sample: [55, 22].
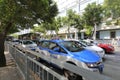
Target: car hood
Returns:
[86, 56]
[94, 48]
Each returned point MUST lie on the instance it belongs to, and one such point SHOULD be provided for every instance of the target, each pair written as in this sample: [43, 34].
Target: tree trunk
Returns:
[2, 40]
[2, 55]
[94, 32]
[69, 32]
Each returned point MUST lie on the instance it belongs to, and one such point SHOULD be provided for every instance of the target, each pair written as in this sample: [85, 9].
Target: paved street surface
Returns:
[10, 72]
[112, 65]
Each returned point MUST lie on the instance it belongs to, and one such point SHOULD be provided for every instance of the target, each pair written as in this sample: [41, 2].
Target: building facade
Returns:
[103, 32]
[76, 5]
[108, 32]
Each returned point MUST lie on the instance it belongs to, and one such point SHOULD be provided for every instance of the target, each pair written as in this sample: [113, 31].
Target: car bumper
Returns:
[97, 69]
[110, 51]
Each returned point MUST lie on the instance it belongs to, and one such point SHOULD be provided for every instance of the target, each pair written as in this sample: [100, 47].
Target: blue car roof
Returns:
[55, 41]
[84, 55]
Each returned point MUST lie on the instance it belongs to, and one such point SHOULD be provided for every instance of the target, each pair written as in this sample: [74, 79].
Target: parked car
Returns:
[28, 44]
[92, 47]
[36, 41]
[71, 52]
[107, 47]
[16, 41]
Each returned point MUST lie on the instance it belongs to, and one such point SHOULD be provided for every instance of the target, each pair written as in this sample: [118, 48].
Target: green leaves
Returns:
[93, 14]
[25, 13]
[7, 8]
[112, 8]
[73, 19]
[112, 12]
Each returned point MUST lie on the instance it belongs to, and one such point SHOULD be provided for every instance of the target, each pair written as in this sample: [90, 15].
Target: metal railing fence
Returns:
[34, 70]
[31, 69]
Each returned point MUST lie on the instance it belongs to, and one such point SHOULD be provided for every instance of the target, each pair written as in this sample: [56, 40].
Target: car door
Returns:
[57, 53]
[54, 48]
[44, 47]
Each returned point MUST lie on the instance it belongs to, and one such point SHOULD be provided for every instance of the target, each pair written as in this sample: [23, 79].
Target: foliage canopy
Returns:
[112, 8]
[21, 14]
[93, 14]
[25, 13]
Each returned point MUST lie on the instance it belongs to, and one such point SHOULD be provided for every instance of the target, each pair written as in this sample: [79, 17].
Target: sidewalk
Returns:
[11, 71]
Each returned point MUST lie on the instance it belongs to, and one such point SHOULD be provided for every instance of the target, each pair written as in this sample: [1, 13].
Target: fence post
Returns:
[26, 72]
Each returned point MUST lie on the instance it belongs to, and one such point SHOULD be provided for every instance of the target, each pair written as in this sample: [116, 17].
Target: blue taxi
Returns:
[71, 51]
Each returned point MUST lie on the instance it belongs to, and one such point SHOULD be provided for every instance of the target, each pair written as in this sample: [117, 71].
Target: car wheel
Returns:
[72, 76]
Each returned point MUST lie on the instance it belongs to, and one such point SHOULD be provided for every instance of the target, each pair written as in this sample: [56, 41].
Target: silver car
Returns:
[28, 44]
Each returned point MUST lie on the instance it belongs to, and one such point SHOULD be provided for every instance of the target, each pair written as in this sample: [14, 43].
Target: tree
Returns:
[68, 20]
[19, 14]
[39, 28]
[112, 10]
[93, 16]
[78, 22]
[72, 19]
[57, 23]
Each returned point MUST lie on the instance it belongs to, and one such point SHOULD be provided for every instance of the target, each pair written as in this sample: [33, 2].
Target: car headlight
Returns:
[91, 65]
[24, 46]
[100, 52]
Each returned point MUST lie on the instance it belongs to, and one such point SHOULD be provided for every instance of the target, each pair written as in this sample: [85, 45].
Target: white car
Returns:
[92, 47]
[28, 44]
[15, 41]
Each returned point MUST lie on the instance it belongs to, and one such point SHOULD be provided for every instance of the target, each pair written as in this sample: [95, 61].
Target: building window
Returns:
[112, 34]
[97, 35]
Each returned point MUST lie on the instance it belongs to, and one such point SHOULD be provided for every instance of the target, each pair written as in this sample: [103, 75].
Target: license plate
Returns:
[101, 68]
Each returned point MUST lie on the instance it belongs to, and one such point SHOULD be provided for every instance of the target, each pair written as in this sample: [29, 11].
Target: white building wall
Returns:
[64, 5]
[104, 34]
[75, 5]
[118, 34]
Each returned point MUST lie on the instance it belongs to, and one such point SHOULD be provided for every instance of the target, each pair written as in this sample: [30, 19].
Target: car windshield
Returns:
[71, 46]
[16, 41]
[86, 43]
[27, 42]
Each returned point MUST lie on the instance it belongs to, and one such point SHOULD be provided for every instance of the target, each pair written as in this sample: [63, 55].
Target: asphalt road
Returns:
[112, 65]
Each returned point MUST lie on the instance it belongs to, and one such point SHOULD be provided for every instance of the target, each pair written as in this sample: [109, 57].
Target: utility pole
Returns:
[79, 5]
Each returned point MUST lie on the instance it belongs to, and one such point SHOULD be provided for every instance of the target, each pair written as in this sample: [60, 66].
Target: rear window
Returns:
[45, 44]
[27, 42]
